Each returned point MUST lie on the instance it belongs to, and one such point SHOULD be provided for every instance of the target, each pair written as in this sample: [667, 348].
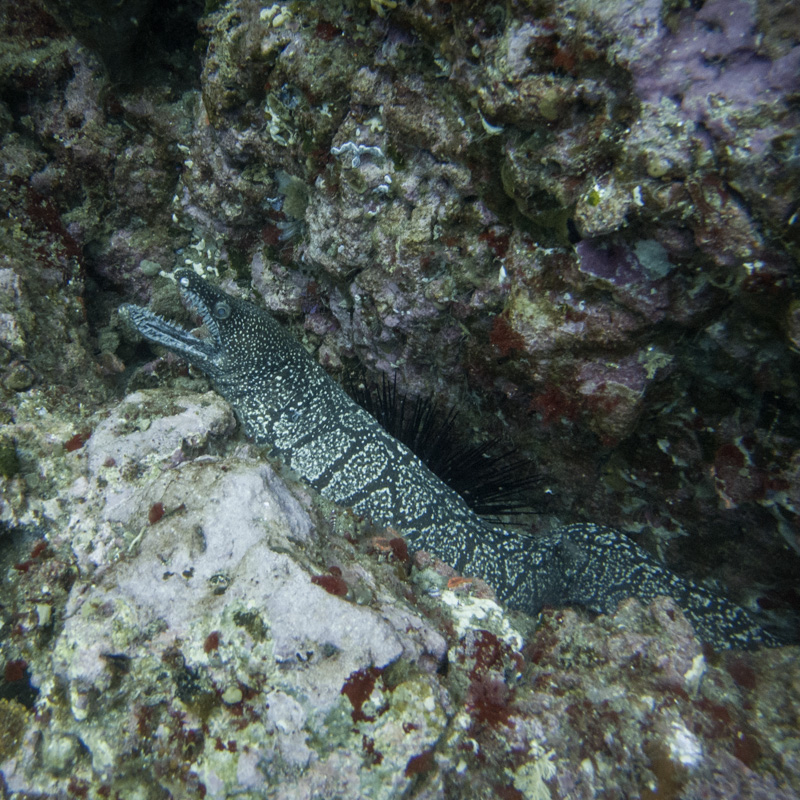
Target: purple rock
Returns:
[613, 262]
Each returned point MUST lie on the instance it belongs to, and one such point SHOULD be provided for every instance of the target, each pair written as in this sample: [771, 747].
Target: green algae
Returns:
[9, 460]
[13, 719]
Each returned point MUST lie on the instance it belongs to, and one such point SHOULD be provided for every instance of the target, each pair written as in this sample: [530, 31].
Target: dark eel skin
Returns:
[284, 398]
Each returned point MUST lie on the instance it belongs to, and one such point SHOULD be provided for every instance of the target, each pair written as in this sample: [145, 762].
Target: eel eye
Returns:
[222, 310]
[184, 282]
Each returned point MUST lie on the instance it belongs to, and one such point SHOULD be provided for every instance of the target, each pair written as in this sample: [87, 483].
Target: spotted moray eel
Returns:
[285, 399]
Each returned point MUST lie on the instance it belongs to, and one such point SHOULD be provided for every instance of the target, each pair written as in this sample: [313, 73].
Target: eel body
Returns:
[284, 398]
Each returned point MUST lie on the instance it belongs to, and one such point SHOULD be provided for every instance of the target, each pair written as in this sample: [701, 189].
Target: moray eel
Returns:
[285, 399]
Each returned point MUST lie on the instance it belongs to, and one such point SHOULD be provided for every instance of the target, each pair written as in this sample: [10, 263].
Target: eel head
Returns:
[238, 332]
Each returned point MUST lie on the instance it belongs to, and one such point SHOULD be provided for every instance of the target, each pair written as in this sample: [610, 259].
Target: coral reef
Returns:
[575, 221]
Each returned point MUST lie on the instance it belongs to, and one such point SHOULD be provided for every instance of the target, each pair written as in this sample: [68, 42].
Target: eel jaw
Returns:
[204, 353]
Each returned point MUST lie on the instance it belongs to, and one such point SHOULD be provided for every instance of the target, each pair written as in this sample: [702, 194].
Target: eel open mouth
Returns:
[201, 352]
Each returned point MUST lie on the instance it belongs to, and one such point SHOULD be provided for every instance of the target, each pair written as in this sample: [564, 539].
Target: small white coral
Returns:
[531, 776]
[684, 746]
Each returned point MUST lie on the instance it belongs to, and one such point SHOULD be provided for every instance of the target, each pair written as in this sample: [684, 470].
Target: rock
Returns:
[18, 377]
[576, 225]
